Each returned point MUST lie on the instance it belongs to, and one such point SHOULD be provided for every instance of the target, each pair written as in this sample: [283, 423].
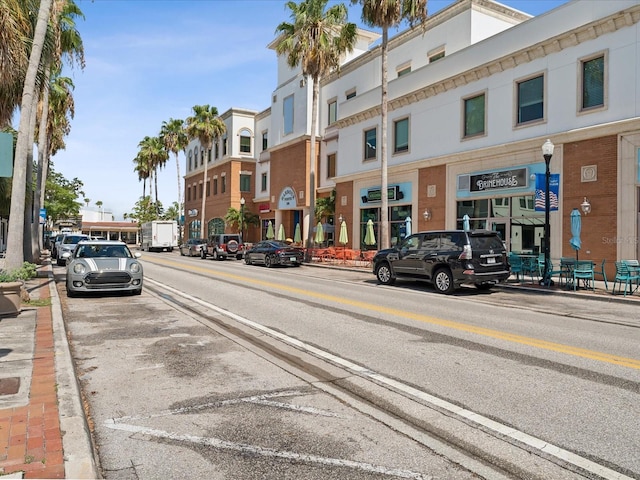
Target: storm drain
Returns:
[9, 386]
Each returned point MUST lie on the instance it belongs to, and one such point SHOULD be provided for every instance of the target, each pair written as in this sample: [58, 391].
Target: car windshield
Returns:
[103, 251]
[73, 239]
[486, 242]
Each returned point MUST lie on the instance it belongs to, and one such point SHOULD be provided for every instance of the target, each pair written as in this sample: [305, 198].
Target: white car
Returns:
[67, 245]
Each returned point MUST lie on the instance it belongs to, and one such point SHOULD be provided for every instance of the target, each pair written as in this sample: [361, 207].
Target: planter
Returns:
[10, 298]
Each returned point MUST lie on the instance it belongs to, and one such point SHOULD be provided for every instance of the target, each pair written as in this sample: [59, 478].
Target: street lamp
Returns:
[242, 200]
[547, 153]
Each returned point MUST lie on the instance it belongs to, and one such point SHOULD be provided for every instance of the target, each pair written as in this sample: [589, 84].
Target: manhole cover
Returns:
[9, 386]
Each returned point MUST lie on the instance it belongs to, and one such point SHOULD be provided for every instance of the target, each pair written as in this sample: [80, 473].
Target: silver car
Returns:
[103, 266]
[67, 245]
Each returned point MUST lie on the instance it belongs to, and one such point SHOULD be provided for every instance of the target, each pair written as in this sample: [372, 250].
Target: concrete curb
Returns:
[79, 461]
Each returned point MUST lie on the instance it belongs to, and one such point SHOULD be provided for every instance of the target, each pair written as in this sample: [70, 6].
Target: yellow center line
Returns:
[486, 332]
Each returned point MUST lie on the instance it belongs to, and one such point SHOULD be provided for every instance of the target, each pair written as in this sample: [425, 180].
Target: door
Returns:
[501, 226]
[408, 261]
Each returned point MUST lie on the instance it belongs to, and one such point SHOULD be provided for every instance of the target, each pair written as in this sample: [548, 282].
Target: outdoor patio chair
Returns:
[516, 265]
[626, 276]
[583, 272]
[603, 274]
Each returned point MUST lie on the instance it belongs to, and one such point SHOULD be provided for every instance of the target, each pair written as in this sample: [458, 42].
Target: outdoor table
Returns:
[530, 265]
[568, 265]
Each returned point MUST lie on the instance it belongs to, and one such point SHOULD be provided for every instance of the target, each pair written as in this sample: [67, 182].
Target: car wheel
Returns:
[203, 254]
[70, 293]
[384, 275]
[137, 292]
[215, 255]
[268, 261]
[181, 253]
[247, 260]
[59, 262]
[484, 286]
[443, 281]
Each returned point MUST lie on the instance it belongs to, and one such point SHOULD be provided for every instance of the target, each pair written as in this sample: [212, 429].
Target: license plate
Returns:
[293, 259]
[491, 259]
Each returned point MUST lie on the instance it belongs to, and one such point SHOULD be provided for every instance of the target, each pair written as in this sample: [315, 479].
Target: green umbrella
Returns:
[296, 236]
[344, 237]
[370, 236]
[281, 235]
[319, 238]
[270, 234]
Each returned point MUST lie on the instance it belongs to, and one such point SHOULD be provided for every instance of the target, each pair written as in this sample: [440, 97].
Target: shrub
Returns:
[27, 271]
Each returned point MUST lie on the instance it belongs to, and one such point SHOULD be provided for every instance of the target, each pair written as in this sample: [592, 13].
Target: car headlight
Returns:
[134, 267]
[79, 268]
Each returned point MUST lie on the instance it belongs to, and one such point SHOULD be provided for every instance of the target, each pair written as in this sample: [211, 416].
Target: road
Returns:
[242, 366]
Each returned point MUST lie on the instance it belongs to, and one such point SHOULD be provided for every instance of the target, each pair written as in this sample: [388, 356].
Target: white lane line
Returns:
[257, 399]
[267, 452]
[538, 444]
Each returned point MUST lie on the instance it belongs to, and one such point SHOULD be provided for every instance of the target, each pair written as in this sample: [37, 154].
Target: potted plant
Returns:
[11, 287]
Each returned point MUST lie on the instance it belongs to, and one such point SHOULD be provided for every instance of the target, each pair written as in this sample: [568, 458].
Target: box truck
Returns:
[159, 235]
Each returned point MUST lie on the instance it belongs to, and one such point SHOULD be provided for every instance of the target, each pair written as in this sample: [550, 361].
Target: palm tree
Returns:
[326, 206]
[15, 248]
[386, 14]
[205, 125]
[175, 139]
[155, 155]
[316, 41]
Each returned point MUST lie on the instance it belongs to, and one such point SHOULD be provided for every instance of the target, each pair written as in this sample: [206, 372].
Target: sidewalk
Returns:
[43, 432]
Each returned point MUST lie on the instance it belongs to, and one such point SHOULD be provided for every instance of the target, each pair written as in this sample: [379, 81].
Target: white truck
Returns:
[159, 235]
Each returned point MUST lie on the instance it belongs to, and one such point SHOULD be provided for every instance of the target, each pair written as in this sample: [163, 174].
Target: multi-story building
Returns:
[472, 99]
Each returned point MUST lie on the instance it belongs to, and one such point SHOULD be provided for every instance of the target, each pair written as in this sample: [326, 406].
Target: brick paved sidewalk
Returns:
[30, 435]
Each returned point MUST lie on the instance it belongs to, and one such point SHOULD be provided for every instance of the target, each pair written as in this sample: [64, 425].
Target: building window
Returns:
[224, 145]
[331, 165]
[224, 185]
[208, 188]
[190, 155]
[263, 182]
[474, 115]
[370, 144]
[265, 140]
[216, 150]
[245, 183]
[188, 194]
[245, 141]
[593, 83]
[403, 70]
[531, 99]
[288, 114]
[435, 55]
[209, 156]
[202, 157]
[200, 189]
[350, 94]
[215, 186]
[333, 112]
[401, 135]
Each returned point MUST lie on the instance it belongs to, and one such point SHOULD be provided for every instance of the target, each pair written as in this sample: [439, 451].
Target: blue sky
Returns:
[148, 61]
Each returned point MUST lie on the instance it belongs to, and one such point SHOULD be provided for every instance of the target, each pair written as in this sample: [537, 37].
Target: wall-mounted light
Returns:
[340, 219]
[585, 206]
[427, 214]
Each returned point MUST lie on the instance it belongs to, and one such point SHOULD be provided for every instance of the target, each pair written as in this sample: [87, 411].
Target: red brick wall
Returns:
[432, 176]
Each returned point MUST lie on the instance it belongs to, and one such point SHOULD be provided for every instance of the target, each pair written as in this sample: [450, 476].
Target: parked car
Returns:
[103, 266]
[192, 247]
[67, 245]
[223, 246]
[446, 259]
[273, 252]
[55, 241]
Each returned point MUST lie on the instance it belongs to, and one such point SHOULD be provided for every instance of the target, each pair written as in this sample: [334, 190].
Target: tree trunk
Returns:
[312, 166]
[43, 164]
[384, 181]
[204, 196]
[15, 248]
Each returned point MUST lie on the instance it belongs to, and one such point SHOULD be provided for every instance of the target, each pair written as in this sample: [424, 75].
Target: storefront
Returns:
[400, 212]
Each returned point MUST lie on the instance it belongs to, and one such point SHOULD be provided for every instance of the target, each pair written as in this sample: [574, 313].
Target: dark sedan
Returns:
[192, 247]
[272, 252]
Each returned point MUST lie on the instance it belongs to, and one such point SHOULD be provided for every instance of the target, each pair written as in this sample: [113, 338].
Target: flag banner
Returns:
[554, 187]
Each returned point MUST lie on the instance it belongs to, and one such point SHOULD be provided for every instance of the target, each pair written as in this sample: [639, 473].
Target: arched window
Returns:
[245, 140]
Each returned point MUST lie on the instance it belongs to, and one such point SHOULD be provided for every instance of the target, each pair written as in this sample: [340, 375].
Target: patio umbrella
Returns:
[407, 226]
[466, 222]
[370, 236]
[270, 233]
[297, 237]
[319, 238]
[281, 234]
[344, 237]
[576, 226]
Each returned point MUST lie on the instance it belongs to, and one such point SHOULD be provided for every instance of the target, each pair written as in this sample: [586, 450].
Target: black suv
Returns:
[446, 259]
[222, 246]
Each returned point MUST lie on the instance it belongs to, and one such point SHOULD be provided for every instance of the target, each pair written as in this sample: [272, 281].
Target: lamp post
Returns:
[547, 153]
[242, 200]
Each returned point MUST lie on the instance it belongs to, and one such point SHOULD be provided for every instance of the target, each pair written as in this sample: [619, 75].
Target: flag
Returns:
[554, 187]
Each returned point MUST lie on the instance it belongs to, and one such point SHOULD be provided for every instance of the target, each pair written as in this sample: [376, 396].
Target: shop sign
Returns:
[516, 178]
[264, 208]
[287, 199]
[375, 194]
